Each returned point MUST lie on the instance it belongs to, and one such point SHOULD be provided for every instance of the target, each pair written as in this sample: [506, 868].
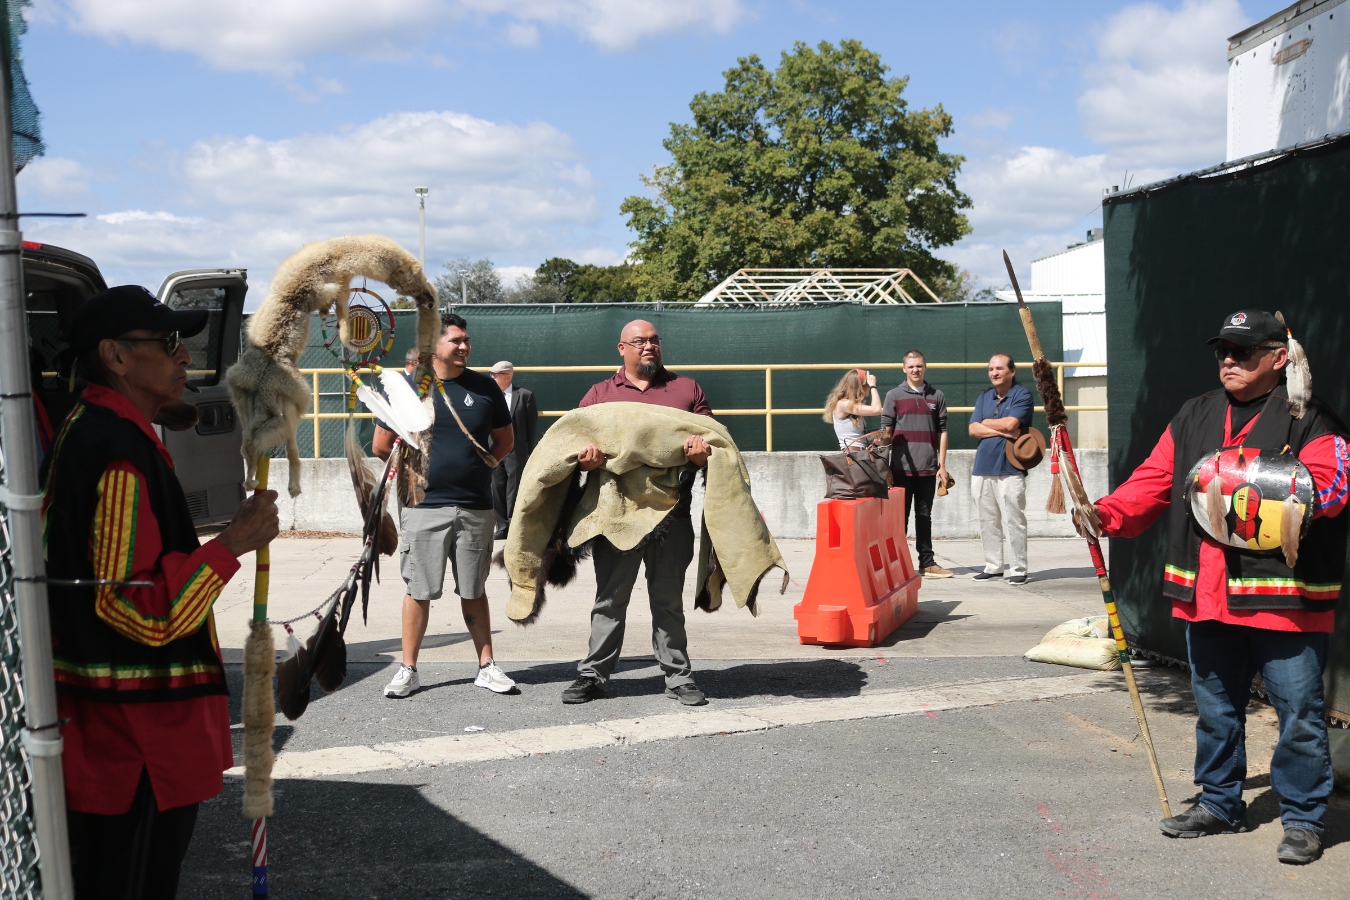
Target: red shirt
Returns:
[1138, 503]
[183, 744]
[666, 389]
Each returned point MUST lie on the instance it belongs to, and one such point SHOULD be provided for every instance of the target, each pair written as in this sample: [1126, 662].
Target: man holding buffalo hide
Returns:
[1253, 479]
[639, 437]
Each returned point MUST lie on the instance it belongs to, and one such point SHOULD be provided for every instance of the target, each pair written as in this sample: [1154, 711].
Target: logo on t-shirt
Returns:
[468, 399]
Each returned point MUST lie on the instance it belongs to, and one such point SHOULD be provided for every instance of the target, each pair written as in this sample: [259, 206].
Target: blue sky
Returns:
[230, 132]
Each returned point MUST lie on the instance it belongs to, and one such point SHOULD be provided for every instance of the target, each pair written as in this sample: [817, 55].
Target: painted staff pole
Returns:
[259, 709]
[1049, 391]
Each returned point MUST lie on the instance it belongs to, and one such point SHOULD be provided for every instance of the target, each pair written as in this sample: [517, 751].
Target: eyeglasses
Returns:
[171, 341]
[1241, 354]
[639, 343]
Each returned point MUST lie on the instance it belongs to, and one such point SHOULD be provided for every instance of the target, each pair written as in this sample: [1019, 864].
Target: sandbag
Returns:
[1088, 627]
[1083, 643]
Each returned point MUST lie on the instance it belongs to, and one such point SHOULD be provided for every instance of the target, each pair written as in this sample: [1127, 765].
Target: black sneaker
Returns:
[687, 694]
[1299, 847]
[1016, 579]
[986, 576]
[1198, 822]
[584, 690]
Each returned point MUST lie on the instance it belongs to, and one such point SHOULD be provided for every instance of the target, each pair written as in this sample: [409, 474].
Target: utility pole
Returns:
[422, 225]
[464, 285]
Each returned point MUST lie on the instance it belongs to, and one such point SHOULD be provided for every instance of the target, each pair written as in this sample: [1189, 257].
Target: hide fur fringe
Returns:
[559, 562]
[266, 384]
[258, 714]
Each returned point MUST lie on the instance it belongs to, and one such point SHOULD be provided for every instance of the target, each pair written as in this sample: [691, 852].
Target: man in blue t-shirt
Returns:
[1001, 414]
[454, 521]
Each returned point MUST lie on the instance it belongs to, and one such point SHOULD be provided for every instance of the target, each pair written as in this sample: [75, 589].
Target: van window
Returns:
[204, 370]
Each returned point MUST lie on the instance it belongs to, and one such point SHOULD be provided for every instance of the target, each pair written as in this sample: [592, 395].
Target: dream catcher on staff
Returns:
[358, 344]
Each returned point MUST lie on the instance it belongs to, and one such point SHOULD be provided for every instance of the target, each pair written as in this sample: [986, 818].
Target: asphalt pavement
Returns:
[939, 764]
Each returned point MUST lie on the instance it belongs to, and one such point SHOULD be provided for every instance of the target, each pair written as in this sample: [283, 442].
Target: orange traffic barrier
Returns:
[863, 585]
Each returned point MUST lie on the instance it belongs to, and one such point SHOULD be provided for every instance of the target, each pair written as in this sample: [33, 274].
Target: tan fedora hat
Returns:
[1027, 451]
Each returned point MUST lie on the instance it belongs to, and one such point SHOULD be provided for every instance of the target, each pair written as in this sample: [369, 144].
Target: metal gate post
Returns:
[41, 736]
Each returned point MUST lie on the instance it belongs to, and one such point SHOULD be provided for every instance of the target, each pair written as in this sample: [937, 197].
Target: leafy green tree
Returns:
[479, 277]
[585, 283]
[819, 163]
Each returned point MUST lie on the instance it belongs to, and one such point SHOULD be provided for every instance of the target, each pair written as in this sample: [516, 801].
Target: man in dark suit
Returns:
[524, 418]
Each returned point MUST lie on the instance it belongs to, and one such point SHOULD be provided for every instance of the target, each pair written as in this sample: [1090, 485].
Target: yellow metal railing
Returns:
[768, 411]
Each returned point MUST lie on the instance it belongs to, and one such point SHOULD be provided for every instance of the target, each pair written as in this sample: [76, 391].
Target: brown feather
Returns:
[367, 484]
[330, 666]
[292, 695]
[1291, 525]
[1214, 507]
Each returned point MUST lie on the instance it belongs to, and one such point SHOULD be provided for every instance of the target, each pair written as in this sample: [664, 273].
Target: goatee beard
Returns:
[648, 370]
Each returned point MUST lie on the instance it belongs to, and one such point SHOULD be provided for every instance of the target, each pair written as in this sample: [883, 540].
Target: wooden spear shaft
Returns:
[1065, 447]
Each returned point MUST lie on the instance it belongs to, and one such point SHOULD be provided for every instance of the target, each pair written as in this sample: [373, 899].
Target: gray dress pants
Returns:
[616, 572]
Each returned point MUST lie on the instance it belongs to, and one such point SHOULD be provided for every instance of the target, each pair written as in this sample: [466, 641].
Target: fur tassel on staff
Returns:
[1085, 518]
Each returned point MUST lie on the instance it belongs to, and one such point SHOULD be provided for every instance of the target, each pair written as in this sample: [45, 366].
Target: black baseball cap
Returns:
[125, 308]
[1249, 327]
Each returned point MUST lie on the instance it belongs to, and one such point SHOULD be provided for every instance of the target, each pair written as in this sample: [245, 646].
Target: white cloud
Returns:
[1157, 94]
[277, 36]
[512, 193]
[57, 178]
[1155, 100]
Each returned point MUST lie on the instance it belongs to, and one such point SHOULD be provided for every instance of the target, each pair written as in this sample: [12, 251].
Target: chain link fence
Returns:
[18, 845]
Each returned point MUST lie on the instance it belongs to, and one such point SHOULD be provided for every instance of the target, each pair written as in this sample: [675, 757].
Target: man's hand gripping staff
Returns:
[1084, 515]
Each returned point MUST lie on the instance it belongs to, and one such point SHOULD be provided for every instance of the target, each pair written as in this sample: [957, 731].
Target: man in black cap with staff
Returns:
[1255, 598]
[139, 679]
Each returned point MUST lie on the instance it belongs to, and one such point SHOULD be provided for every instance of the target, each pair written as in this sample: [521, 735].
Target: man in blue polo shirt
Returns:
[1001, 414]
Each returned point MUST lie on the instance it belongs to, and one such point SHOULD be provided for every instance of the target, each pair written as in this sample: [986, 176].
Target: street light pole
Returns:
[464, 286]
[422, 224]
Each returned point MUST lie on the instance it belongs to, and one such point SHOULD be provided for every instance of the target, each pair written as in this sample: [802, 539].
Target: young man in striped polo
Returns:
[916, 413]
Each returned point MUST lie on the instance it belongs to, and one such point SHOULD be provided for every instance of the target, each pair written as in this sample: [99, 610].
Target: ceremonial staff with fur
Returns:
[1063, 466]
[271, 395]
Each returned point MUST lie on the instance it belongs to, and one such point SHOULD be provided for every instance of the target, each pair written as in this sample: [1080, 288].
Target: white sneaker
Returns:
[494, 679]
[404, 683]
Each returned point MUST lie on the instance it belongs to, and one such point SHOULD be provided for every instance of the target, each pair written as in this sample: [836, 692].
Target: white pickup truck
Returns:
[206, 457]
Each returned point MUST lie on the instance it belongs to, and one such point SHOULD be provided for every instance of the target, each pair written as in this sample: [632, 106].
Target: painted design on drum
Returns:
[1253, 487]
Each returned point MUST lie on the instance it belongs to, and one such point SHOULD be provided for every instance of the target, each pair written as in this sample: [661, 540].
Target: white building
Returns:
[1289, 78]
[1076, 277]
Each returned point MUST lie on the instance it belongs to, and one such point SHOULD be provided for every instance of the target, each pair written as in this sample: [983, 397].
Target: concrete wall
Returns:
[787, 487]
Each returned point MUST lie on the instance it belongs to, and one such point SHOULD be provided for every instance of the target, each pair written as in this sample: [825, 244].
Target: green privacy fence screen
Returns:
[1179, 258]
[587, 334]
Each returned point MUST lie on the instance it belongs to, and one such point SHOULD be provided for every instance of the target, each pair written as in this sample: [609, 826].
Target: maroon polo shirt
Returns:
[666, 389]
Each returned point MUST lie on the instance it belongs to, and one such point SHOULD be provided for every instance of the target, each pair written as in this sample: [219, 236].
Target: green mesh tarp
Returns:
[1177, 260]
[23, 112]
[582, 335]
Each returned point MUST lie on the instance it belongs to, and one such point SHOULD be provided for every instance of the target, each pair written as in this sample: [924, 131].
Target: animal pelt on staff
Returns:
[266, 384]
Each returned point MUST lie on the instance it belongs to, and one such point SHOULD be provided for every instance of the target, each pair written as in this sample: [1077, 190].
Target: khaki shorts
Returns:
[431, 536]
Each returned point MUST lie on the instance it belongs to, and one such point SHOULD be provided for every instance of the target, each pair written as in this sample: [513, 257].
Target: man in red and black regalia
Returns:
[1250, 612]
[141, 688]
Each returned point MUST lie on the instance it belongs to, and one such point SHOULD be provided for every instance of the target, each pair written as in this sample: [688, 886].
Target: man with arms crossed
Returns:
[1000, 488]
[916, 415]
[454, 520]
[643, 380]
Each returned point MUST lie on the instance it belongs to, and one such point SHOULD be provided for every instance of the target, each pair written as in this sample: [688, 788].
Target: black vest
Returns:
[1255, 580]
[91, 659]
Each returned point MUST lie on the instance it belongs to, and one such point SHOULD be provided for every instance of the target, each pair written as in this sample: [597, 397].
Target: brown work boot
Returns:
[936, 571]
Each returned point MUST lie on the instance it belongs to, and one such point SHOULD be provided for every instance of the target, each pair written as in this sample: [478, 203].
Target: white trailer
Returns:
[1289, 78]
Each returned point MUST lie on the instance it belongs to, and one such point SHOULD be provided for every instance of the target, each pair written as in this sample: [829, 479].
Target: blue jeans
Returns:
[1224, 658]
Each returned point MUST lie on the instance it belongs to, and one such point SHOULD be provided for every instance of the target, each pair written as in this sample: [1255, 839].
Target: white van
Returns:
[206, 457]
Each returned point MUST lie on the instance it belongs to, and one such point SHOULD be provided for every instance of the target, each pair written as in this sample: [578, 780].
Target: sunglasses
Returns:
[1241, 354]
[171, 341]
